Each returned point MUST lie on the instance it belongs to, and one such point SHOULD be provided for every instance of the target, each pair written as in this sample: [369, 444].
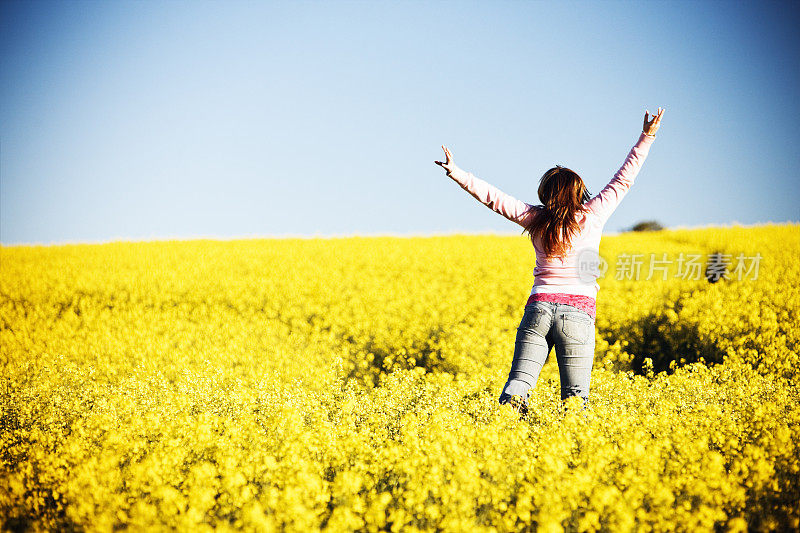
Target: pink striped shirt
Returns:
[575, 274]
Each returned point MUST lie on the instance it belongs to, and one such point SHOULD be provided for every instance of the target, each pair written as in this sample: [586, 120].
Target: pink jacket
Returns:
[576, 273]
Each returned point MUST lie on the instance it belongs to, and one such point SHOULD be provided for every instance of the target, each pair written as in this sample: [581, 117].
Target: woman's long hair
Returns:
[563, 194]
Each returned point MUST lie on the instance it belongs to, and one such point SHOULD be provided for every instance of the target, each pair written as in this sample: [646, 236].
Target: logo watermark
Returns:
[635, 266]
[591, 266]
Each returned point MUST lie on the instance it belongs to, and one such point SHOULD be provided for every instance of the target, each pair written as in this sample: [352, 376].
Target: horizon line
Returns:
[282, 236]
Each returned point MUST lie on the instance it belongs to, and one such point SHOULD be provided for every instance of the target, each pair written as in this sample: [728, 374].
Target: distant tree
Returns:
[647, 225]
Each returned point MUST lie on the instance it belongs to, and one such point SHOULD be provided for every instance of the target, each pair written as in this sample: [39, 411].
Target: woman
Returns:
[565, 231]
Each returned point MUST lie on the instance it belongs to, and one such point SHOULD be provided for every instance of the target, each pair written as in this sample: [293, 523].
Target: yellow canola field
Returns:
[352, 384]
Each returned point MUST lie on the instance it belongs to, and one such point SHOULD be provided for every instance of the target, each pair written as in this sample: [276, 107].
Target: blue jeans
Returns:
[544, 325]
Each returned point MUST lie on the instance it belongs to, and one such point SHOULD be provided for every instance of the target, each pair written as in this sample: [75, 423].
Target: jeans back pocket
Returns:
[576, 327]
[531, 318]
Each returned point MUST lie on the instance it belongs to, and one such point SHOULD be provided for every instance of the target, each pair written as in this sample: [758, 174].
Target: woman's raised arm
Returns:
[514, 210]
[609, 198]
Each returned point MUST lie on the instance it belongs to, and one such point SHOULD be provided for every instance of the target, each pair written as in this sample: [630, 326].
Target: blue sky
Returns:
[151, 120]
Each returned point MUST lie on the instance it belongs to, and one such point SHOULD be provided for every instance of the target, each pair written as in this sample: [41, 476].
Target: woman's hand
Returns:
[651, 126]
[448, 165]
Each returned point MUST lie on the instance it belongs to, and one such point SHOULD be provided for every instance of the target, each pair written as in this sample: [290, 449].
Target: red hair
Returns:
[563, 194]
